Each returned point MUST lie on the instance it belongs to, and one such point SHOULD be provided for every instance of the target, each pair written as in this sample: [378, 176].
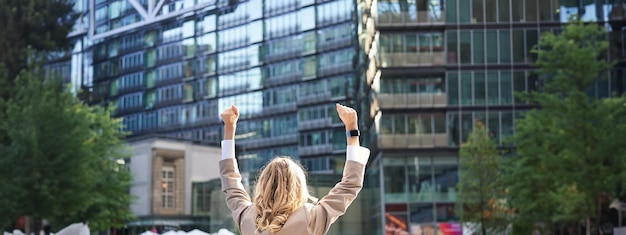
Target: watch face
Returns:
[353, 133]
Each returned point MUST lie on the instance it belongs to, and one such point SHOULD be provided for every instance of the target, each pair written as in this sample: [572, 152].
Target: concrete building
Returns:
[164, 171]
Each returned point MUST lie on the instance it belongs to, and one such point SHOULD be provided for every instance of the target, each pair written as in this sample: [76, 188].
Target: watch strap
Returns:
[353, 133]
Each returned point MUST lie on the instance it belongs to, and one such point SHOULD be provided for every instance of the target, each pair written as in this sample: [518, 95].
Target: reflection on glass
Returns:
[506, 84]
[306, 18]
[519, 50]
[248, 103]
[445, 171]
[479, 46]
[532, 11]
[254, 9]
[206, 43]
[491, 11]
[190, 46]
[255, 32]
[207, 24]
[308, 45]
[479, 88]
[478, 15]
[451, 7]
[453, 54]
[453, 88]
[188, 29]
[492, 47]
[466, 48]
[504, 14]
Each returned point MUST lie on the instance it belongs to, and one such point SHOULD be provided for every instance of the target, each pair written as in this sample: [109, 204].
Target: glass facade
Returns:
[420, 72]
[436, 68]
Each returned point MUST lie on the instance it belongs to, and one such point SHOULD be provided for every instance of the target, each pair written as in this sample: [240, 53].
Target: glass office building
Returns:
[421, 73]
[435, 68]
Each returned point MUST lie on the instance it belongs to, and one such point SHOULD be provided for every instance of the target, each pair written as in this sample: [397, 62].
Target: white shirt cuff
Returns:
[228, 149]
[358, 154]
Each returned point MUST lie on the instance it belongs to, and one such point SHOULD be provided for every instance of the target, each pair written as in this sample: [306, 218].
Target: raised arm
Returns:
[335, 204]
[237, 198]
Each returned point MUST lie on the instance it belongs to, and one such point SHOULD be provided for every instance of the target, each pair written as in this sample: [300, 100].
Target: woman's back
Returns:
[308, 219]
[296, 224]
[281, 192]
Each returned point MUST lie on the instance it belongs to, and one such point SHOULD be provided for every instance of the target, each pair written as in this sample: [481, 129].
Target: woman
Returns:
[280, 200]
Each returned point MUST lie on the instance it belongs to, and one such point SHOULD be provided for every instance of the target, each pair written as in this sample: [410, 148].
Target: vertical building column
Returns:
[157, 165]
[179, 184]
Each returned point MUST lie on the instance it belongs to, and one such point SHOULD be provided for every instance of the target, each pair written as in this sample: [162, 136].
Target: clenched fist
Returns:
[230, 115]
[348, 117]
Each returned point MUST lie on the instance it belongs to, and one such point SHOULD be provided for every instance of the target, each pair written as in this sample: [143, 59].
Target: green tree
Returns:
[60, 160]
[570, 152]
[481, 193]
[32, 25]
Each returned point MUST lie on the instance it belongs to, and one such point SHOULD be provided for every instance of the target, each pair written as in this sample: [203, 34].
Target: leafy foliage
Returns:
[481, 193]
[60, 160]
[33, 25]
[570, 152]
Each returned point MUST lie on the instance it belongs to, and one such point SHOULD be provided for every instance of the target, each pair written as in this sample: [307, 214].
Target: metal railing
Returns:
[414, 18]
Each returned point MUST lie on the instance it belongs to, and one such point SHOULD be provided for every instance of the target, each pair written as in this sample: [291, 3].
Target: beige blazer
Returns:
[309, 219]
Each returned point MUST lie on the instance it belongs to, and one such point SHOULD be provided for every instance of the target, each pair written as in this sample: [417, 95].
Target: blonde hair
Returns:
[280, 189]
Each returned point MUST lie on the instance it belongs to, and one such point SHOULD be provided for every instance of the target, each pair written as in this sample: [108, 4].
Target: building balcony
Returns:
[412, 59]
[431, 140]
[275, 10]
[164, 103]
[283, 79]
[335, 69]
[284, 55]
[124, 90]
[314, 124]
[315, 150]
[410, 19]
[335, 44]
[232, 21]
[269, 141]
[281, 108]
[429, 100]
[233, 43]
[427, 196]
[128, 110]
[233, 66]
[314, 98]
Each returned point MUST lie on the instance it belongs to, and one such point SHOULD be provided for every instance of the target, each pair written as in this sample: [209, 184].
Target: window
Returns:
[334, 12]
[169, 51]
[464, 11]
[531, 10]
[479, 88]
[479, 47]
[519, 50]
[167, 185]
[467, 88]
[545, 14]
[466, 48]
[532, 38]
[453, 53]
[504, 14]
[453, 88]
[493, 86]
[491, 11]
[492, 47]
[506, 87]
[505, 46]
[490, 88]
[478, 14]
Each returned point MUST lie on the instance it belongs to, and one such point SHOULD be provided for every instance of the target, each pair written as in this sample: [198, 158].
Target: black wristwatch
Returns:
[353, 133]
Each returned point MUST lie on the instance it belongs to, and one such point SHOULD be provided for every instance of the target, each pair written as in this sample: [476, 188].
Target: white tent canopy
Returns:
[192, 232]
[72, 229]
